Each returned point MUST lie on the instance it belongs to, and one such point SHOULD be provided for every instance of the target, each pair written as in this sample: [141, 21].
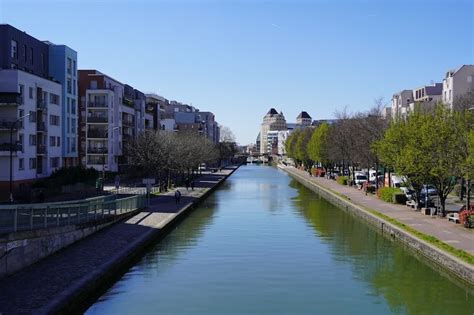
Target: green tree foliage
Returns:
[301, 152]
[318, 145]
[425, 148]
[290, 144]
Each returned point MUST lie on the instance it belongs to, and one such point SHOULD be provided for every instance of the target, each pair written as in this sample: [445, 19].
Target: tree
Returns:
[318, 145]
[290, 144]
[301, 152]
[425, 148]
[226, 135]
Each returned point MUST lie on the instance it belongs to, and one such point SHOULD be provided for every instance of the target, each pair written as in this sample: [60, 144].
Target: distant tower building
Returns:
[272, 121]
[303, 119]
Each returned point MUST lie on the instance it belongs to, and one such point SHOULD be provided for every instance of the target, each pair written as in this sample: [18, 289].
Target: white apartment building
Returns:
[272, 121]
[457, 83]
[102, 144]
[282, 137]
[401, 104]
[37, 141]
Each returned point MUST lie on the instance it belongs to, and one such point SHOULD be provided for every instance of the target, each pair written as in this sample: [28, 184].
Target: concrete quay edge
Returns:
[446, 261]
[74, 299]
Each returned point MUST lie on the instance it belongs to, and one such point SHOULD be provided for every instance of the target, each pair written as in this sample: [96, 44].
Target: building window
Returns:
[74, 67]
[73, 145]
[69, 86]
[54, 99]
[73, 125]
[21, 164]
[22, 93]
[32, 116]
[30, 93]
[54, 120]
[52, 141]
[68, 125]
[14, 49]
[25, 56]
[68, 141]
[450, 96]
[68, 102]
[69, 66]
[31, 55]
[58, 141]
[73, 106]
[32, 163]
[20, 141]
[74, 87]
[54, 162]
[32, 139]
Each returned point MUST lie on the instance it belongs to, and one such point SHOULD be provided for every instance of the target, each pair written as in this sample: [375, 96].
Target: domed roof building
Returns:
[272, 121]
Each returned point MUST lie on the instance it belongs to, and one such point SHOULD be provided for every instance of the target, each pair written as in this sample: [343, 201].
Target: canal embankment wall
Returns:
[77, 275]
[21, 249]
[445, 260]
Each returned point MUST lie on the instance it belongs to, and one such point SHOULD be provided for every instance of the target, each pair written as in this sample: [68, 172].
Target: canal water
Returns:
[264, 244]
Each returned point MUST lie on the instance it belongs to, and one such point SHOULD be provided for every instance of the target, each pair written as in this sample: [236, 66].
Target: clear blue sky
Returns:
[239, 58]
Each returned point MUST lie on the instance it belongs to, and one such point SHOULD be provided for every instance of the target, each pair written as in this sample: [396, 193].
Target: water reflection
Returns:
[263, 244]
[407, 285]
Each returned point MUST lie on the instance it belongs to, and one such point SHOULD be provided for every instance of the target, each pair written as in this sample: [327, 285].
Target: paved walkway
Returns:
[43, 286]
[448, 232]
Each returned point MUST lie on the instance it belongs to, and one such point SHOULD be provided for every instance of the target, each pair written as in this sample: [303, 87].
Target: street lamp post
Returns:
[103, 153]
[11, 154]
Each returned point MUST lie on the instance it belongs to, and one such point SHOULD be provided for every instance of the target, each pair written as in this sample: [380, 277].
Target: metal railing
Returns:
[97, 150]
[97, 104]
[40, 216]
[97, 119]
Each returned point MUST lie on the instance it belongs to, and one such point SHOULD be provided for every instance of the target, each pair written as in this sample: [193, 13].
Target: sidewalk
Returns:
[48, 285]
[453, 234]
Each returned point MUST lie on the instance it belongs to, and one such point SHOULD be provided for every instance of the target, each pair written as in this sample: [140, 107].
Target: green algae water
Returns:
[264, 244]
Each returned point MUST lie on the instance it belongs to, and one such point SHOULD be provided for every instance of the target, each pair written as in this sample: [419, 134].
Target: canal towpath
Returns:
[67, 278]
[448, 232]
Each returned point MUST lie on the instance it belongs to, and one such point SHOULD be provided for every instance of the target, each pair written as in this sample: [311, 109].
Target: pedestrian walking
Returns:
[192, 185]
[177, 196]
[186, 182]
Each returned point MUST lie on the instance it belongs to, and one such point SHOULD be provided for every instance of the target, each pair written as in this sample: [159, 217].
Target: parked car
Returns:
[360, 179]
[430, 189]
[410, 193]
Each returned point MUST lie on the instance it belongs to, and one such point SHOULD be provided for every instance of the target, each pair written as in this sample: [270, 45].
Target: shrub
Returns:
[342, 180]
[387, 193]
[399, 198]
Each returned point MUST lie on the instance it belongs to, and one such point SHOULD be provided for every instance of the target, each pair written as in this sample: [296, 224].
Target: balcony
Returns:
[5, 148]
[40, 127]
[97, 150]
[97, 104]
[10, 99]
[128, 102]
[128, 123]
[7, 124]
[41, 149]
[98, 134]
[41, 105]
[97, 119]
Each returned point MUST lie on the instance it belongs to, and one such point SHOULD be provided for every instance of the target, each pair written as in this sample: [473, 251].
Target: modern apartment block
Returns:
[112, 114]
[27, 90]
[457, 83]
[401, 103]
[63, 68]
[101, 120]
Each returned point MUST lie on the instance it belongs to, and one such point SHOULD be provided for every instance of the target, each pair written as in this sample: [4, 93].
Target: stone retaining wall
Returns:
[21, 249]
[448, 262]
